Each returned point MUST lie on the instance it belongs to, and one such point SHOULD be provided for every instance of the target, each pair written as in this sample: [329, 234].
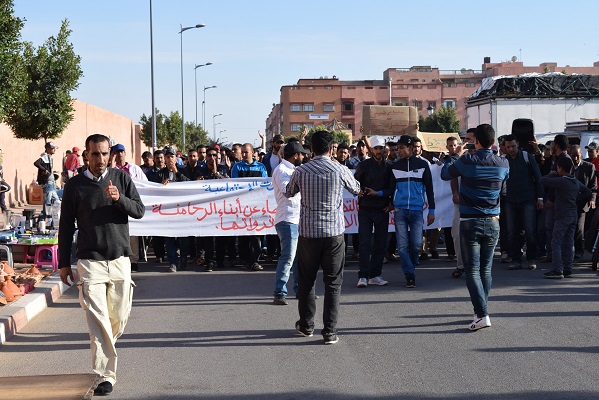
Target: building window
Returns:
[296, 107]
[417, 86]
[417, 104]
[470, 84]
[383, 104]
[449, 84]
[414, 80]
[348, 106]
[403, 86]
[432, 103]
[351, 87]
[432, 86]
[449, 103]
[369, 103]
[328, 107]
[368, 87]
[350, 126]
[399, 103]
[296, 127]
[309, 126]
[328, 88]
[384, 87]
[310, 88]
[309, 107]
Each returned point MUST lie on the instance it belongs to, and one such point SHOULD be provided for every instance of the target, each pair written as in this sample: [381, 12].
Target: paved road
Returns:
[197, 335]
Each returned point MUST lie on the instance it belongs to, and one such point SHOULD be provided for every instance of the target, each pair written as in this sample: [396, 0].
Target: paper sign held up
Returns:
[390, 120]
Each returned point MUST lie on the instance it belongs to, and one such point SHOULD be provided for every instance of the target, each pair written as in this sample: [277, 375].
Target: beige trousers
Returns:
[105, 293]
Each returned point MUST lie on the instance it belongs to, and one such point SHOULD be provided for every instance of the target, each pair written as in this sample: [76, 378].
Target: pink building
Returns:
[20, 154]
[314, 102]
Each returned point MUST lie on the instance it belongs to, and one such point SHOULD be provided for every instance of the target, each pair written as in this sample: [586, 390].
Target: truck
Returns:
[550, 100]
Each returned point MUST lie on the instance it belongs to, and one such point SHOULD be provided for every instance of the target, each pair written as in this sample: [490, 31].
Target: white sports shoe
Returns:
[377, 280]
[362, 282]
[480, 323]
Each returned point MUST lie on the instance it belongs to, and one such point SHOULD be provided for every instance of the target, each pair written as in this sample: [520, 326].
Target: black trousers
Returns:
[314, 254]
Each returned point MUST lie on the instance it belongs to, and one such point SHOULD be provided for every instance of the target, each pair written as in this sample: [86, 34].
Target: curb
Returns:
[16, 315]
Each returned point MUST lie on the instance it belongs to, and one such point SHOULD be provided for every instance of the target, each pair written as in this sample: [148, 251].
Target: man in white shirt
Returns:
[287, 219]
[137, 174]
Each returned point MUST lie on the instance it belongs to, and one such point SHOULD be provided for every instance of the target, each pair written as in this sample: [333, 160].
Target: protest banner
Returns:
[237, 207]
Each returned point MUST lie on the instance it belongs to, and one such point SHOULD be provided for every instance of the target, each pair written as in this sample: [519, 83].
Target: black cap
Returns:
[406, 140]
[278, 138]
[294, 148]
[169, 150]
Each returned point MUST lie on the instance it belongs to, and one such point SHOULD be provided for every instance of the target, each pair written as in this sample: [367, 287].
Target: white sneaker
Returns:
[362, 282]
[377, 280]
[480, 323]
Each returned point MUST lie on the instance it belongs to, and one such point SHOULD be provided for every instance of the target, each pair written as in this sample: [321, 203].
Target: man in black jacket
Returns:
[373, 175]
[584, 171]
[100, 200]
[45, 175]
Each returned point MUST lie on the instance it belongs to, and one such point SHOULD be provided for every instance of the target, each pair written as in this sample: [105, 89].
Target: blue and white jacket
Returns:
[411, 180]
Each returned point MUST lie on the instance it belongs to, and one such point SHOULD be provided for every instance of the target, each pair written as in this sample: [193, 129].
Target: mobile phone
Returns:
[470, 146]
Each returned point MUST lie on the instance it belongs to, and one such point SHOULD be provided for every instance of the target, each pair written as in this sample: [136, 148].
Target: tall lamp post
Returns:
[195, 69]
[204, 105]
[154, 135]
[430, 110]
[214, 125]
[182, 101]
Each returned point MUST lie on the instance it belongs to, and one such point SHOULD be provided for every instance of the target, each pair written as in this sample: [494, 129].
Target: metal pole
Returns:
[154, 134]
[204, 110]
[195, 73]
[182, 101]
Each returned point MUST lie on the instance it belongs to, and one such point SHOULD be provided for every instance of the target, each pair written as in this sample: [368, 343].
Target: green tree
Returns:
[169, 131]
[338, 136]
[12, 76]
[52, 73]
[443, 120]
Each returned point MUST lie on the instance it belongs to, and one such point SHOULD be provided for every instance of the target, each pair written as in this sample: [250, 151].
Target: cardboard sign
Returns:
[436, 142]
[389, 120]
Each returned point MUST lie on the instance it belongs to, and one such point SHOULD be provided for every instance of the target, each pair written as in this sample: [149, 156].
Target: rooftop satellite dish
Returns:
[514, 58]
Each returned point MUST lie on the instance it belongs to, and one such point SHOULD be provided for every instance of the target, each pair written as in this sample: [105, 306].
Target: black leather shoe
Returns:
[103, 389]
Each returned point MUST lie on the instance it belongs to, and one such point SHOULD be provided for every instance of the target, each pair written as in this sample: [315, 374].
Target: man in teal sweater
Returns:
[100, 200]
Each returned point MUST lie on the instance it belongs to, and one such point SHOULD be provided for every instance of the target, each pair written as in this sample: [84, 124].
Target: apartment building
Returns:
[313, 102]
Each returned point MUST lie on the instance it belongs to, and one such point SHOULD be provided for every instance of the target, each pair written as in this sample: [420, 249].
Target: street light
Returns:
[196, 85]
[182, 101]
[214, 125]
[204, 105]
[430, 110]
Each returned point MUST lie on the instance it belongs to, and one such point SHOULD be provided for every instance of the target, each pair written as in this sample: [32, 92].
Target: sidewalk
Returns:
[14, 316]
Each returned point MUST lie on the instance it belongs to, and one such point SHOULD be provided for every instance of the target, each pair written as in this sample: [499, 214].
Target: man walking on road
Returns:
[287, 220]
[321, 183]
[100, 200]
[483, 174]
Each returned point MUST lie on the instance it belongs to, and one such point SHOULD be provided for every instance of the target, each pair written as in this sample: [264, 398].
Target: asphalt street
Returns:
[198, 335]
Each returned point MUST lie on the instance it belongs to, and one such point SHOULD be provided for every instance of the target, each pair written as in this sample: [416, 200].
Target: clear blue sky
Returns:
[258, 46]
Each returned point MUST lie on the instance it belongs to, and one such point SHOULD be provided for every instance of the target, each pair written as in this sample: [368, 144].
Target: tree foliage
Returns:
[12, 76]
[338, 136]
[52, 72]
[168, 131]
[443, 120]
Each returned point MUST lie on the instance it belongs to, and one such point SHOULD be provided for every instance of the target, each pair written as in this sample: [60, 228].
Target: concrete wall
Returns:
[20, 154]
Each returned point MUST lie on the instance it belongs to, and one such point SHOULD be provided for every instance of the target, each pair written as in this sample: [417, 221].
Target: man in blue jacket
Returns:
[410, 179]
[483, 174]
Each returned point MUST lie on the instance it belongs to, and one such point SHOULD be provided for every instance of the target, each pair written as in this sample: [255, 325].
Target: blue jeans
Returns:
[521, 215]
[50, 195]
[171, 249]
[288, 235]
[562, 243]
[478, 238]
[409, 241]
[372, 246]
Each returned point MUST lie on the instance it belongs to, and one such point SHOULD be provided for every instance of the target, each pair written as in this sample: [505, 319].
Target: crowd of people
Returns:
[534, 204]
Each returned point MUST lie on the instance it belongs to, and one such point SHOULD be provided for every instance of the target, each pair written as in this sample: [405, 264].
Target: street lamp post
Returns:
[182, 101]
[195, 69]
[204, 105]
[430, 110]
[214, 125]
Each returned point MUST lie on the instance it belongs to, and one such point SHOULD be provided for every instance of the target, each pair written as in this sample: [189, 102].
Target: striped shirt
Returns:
[321, 182]
[482, 175]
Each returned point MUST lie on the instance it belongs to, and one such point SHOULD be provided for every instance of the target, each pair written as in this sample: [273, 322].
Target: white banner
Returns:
[243, 206]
